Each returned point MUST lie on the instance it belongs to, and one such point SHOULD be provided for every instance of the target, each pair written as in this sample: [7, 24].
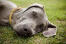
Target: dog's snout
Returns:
[25, 32]
[25, 29]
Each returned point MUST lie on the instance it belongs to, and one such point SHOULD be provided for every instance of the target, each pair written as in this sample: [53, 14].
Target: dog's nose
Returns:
[25, 32]
[25, 29]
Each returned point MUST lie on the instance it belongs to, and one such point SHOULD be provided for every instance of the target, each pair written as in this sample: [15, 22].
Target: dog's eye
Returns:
[39, 28]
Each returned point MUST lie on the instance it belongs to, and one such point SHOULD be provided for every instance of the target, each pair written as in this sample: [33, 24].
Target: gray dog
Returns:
[26, 21]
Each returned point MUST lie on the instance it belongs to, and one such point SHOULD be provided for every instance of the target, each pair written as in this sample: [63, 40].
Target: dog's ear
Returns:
[37, 5]
[50, 30]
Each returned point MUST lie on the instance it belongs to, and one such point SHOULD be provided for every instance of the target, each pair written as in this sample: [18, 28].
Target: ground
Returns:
[56, 12]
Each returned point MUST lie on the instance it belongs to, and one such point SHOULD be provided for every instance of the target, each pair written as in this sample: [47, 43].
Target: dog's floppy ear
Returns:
[50, 30]
[37, 5]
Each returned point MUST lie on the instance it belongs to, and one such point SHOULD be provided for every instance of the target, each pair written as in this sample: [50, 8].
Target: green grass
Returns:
[56, 12]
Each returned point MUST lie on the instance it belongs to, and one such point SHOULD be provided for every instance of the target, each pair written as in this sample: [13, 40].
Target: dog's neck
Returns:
[15, 16]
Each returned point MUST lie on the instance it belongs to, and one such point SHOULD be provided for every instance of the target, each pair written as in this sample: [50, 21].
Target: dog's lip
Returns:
[27, 35]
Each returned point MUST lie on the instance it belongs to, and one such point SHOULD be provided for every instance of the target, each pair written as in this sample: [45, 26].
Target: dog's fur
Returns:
[27, 21]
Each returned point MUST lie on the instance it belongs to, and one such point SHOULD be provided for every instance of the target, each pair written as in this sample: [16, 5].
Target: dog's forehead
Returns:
[28, 13]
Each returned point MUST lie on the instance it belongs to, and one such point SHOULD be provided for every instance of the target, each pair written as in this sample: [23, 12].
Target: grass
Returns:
[56, 12]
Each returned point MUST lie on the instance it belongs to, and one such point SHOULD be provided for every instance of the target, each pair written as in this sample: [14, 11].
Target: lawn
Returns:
[56, 12]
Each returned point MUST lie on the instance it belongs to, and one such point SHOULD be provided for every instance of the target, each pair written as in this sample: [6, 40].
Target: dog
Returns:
[26, 21]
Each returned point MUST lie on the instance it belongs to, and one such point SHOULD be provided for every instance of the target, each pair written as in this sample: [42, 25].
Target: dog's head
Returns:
[32, 21]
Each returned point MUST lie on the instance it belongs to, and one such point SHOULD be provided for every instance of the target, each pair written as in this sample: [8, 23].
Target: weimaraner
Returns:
[26, 21]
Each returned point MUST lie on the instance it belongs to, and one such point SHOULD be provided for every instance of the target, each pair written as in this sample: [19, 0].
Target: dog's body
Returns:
[5, 9]
[26, 21]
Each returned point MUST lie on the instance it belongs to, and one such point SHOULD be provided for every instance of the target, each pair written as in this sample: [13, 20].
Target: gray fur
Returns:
[26, 21]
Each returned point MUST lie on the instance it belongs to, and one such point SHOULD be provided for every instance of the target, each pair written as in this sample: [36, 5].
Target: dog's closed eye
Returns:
[39, 28]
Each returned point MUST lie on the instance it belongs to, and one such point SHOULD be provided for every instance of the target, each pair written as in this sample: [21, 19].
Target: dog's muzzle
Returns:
[25, 31]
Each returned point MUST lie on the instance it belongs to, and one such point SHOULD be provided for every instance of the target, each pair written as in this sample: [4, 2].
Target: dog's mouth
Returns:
[24, 34]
